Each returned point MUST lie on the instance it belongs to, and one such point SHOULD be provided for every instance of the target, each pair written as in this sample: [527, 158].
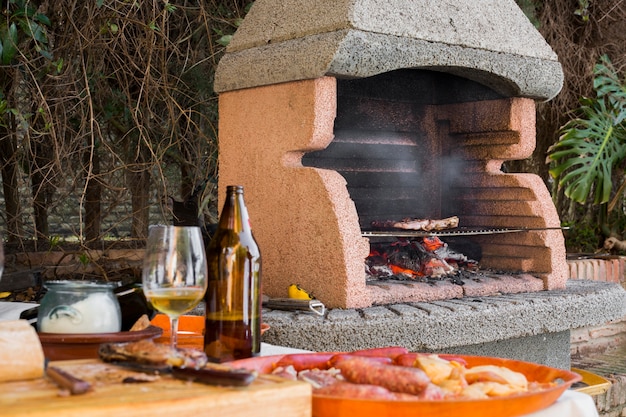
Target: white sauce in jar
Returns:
[94, 314]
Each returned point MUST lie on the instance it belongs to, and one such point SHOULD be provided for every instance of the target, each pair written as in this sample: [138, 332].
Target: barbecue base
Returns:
[533, 327]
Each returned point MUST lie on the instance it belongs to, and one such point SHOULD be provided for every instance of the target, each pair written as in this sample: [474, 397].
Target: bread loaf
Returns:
[21, 353]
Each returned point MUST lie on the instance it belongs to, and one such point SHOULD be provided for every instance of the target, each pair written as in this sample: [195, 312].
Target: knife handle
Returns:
[68, 381]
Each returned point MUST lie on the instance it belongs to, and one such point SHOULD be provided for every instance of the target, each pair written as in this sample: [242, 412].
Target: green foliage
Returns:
[594, 143]
[530, 9]
[582, 237]
[23, 24]
[54, 241]
[583, 10]
[83, 258]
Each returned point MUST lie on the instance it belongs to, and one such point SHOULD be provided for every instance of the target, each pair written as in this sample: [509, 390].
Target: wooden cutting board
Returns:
[110, 397]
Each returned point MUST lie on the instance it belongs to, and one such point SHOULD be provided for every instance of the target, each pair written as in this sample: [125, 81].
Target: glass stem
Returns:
[173, 331]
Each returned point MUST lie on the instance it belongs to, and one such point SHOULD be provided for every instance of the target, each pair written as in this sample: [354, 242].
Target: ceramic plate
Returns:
[67, 346]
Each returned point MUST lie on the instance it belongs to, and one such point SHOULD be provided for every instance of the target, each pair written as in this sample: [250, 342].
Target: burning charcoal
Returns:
[437, 268]
[416, 259]
[465, 246]
[379, 271]
[456, 278]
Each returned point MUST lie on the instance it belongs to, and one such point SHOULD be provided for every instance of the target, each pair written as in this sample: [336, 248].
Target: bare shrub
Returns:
[118, 116]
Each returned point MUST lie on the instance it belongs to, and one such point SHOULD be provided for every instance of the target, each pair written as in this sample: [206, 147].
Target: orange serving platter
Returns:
[510, 406]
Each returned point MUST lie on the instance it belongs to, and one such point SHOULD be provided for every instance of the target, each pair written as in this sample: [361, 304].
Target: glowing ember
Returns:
[411, 259]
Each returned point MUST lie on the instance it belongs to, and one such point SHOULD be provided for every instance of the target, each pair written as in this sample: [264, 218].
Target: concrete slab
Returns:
[527, 326]
[282, 41]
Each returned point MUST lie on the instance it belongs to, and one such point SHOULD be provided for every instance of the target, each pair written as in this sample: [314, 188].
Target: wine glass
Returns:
[174, 271]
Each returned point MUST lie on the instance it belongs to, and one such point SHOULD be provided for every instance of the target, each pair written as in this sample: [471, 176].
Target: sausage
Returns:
[302, 361]
[407, 359]
[431, 392]
[453, 358]
[375, 392]
[349, 390]
[394, 378]
[345, 356]
[387, 352]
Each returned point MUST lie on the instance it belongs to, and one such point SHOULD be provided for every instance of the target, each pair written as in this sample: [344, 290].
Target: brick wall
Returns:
[601, 349]
[609, 269]
[588, 340]
[611, 403]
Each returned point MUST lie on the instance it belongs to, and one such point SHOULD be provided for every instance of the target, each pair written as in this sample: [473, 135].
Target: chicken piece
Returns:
[491, 389]
[499, 374]
[427, 225]
[436, 368]
[320, 378]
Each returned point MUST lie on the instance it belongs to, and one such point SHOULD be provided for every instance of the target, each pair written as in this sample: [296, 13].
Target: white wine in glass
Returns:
[174, 271]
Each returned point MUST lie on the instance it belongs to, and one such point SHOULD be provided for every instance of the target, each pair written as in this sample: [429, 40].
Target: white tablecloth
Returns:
[570, 404]
[11, 310]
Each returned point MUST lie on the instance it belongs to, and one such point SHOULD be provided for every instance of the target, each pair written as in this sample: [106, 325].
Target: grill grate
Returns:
[452, 232]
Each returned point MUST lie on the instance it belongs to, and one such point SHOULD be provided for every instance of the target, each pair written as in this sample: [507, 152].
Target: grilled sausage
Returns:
[361, 370]
[302, 361]
[349, 390]
[340, 357]
[386, 352]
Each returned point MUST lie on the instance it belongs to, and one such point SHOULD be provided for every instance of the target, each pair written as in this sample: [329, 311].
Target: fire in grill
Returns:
[421, 254]
[417, 259]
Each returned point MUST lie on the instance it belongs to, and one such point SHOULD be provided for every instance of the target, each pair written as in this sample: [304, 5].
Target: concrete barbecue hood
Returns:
[489, 41]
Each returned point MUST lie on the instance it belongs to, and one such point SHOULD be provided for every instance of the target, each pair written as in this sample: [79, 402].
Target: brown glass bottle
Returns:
[233, 297]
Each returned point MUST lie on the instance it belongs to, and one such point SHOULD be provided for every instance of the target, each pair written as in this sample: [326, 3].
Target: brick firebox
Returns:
[308, 225]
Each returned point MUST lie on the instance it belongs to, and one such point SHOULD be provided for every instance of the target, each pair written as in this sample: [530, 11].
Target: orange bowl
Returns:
[510, 406]
[68, 346]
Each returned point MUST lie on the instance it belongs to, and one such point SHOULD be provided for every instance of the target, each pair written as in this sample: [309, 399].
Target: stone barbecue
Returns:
[334, 114]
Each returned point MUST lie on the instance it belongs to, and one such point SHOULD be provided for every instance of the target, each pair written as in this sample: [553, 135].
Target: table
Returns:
[570, 404]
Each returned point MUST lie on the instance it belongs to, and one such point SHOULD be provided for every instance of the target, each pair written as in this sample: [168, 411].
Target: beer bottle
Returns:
[233, 297]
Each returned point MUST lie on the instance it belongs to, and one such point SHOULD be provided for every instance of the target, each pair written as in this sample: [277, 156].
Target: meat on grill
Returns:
[426, 225]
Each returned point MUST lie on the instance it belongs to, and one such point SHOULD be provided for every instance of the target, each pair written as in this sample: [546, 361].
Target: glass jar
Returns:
[79, 307]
